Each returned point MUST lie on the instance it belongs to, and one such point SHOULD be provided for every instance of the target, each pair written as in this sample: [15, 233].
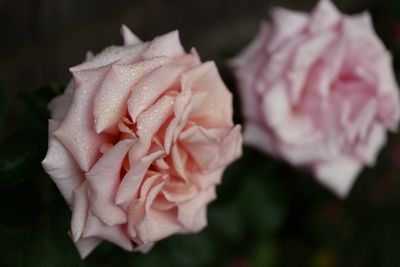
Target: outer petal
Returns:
[157, 225]
[165, 45]
[61, 166]
[129, 37]
[188, 211]
[76, 131]
[59, 105]
[87, 245]
[286, 24]
[338, 175]
[114, 234]
[217, 108]
[324, 16]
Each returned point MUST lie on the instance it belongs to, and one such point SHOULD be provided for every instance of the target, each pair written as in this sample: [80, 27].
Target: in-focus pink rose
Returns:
[318, 91]
[138, 142]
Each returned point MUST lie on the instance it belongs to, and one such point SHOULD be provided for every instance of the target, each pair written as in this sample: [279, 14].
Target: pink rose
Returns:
[139, 141]
[318, 91]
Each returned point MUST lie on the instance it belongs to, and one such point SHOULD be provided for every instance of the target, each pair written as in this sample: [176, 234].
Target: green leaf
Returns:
[20, 156]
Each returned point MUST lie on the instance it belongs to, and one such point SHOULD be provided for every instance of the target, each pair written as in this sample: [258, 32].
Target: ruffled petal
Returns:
[151, 87]
[76, 132]
[187, 211]
[61, 166]
[114, 234]
[216, 110]
[110, 101]
[103, 181]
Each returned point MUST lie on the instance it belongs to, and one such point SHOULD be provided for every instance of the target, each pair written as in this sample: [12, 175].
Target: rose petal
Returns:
[76, 131]
[152, 87]
[165, 45]
[79, 211]
[187, 211]
[132, 180]
[157, 225]
[129, 37]
[103, 182]
[110, 100]
[61, 166]
[148, 124]
[86, 245]
[338, 175]
[216, 110]
[324, 16]
[114, 234]
[59, 105]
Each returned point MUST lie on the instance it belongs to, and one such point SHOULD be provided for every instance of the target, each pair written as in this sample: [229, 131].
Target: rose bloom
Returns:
[318, 91]
[139, 141]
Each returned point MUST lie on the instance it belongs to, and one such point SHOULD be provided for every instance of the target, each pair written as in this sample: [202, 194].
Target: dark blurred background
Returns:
[267, 213]
[40, 39]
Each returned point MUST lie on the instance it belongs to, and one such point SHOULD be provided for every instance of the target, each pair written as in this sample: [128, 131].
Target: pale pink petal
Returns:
[103, 181]
[79, 211]
[129, 37]
[136, 210]
[338, 175]
[61, 166]
[165, 45]
[287, 24]
[86, 245]
[216, 110]
[110, 55]
[132, 180]
[305, 56]
[367, 151]
[148, 124]
[76, 132]
[324, 16]
[202, 145]
[185, 103]
[157, 225]
[179, 191]
[258, 137]
[114, 234]
[152, 87]
[110, 100]
[187, 211]
[59, 105]
[276, 105]
[208, 178]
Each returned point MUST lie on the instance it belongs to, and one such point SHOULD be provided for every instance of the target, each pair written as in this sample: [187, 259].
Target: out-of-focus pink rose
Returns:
[318, 91]
[138, 142]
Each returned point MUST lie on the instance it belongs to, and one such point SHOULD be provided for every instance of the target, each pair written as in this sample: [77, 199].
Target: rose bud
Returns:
[139, 141]
[318, 91]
